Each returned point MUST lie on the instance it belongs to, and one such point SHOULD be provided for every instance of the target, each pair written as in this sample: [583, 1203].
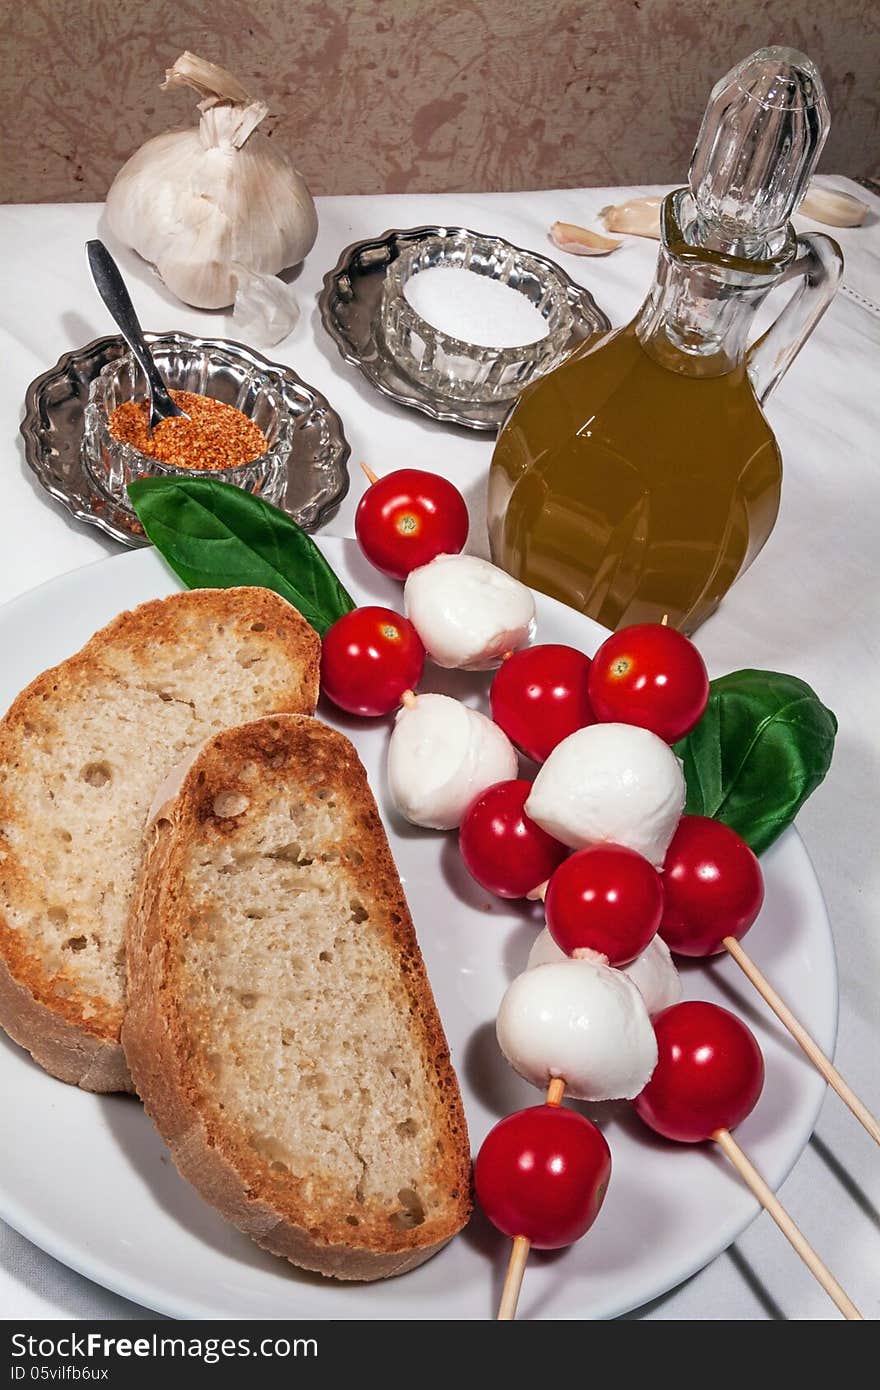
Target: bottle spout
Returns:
[762, 133]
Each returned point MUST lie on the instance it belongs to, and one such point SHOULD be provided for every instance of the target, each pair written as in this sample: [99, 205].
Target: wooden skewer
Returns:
[519, 1254]
[793, 1234]
[373, 477]
[823, 1064]
[808, 1044]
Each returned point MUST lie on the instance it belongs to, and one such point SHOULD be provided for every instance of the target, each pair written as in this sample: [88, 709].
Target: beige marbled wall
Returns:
[396, 95]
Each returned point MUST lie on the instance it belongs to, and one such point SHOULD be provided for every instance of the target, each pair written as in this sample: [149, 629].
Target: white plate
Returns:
[87, 1178]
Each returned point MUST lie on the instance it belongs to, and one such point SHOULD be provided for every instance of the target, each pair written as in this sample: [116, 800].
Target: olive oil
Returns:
[629, 490]
[639, 477]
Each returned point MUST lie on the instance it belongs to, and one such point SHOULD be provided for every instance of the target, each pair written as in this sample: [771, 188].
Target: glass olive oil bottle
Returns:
[640, 477]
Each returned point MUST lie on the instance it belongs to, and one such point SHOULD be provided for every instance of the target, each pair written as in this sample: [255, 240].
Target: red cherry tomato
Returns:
[712, 887]
[605, 898]
[649, 675]
[408, 518]
[542, 1173]
[709, 1073]
[539, 697]
[503, 849]
[369, 658]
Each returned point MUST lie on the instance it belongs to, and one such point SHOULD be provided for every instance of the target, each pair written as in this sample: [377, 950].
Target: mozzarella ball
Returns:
[610, 784]
[653, 972]
[441, 756]
[467, 612]
[581, 1021]
[655, 977]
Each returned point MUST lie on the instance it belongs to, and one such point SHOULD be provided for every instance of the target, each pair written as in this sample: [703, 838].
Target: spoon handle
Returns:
[111, 288]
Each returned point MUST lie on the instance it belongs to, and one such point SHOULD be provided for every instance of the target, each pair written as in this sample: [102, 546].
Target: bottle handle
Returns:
[819, 261]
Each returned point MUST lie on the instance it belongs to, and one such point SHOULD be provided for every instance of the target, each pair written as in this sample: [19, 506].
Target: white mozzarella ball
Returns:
[581, 1021]
[610, 783]
[653, 972]
[468, 612]
[441, 756]
[655, 976]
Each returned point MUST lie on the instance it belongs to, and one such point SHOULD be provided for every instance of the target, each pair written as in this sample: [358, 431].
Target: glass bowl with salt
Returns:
[473, 318]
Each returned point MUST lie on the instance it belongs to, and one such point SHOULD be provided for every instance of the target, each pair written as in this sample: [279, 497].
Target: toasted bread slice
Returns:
[82, 751]
[280, 1028]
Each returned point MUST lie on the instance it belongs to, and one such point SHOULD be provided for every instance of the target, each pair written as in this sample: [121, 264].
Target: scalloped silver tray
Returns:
[52, 428]
[350, 308]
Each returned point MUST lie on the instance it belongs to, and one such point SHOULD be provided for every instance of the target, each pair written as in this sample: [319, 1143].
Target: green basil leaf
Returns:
[217, 536]
[762, 747]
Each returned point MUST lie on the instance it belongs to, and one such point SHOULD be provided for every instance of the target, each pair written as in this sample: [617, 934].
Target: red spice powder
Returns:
[215, 435]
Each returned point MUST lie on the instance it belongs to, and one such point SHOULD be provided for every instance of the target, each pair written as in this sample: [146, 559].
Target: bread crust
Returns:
[73, 1035]
[170, 1080]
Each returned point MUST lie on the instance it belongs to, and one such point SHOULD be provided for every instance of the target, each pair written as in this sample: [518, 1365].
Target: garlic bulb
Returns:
[580, 241]
[214, 206]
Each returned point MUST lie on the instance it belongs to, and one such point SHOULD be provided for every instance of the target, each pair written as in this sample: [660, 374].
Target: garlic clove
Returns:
[580, 241]
[637, 216]
[832, 207]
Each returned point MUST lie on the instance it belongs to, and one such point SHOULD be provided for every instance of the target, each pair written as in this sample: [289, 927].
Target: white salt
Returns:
[474, 307]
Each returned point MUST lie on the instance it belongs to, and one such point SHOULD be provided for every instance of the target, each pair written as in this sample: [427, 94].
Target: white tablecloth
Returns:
[809, 605]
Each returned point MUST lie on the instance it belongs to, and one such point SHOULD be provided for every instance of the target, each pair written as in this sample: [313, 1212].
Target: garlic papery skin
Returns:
[441, 756]
[198, 203]
[833, 208]
[637, 217]
[468, 612]
[580, 241]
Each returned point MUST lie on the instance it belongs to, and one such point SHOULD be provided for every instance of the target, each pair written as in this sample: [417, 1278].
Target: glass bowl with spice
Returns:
[238, 427]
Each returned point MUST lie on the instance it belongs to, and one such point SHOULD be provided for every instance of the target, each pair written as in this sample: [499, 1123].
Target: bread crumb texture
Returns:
[277, 966]
[82, 751]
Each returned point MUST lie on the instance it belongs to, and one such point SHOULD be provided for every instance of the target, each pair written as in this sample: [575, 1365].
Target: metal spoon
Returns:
[111, 288]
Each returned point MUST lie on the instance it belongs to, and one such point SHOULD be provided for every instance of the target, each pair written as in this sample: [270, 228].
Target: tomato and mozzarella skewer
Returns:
[542, 1173]
[541, 1177]
[708, 1079]
[714, 890]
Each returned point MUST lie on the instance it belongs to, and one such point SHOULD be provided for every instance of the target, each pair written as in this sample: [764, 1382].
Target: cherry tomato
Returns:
[712, 887]
[408, 518]
[369, 658]
[709, 1073]
[649, 675]
[542, 1173]
[539, 697]
[503, 849]
[605, 898]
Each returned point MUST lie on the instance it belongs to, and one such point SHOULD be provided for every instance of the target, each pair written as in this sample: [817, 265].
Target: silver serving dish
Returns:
[351, 310]
[317, 468]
